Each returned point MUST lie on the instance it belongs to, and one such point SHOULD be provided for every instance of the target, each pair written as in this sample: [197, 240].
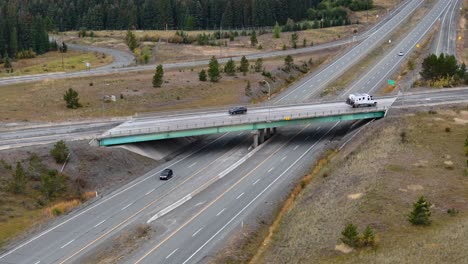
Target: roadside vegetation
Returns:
[134, 92]
[52, 62]
[32, 191]
[403, 201]
[442, 71]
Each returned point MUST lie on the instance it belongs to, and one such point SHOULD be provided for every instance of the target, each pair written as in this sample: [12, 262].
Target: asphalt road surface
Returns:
[312, 85]
[199, 224]
[380, 72]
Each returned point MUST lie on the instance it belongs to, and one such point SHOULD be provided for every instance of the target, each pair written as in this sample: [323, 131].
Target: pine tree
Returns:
[277, 31]
[18, 183]
[368, 237]
[230, 68]
[244, 65]
[288, 63]
[158, 76]
[421, 212]
[294, 38]
[131, 40]
[60, 152]
[7, 62]
[202, 75]
[213, 70]
[258, 65]
[71, 97]
[13, 47]
[350, 236]
[253, 39]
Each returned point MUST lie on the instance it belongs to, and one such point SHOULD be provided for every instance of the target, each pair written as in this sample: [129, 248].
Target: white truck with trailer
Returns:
[358, 100]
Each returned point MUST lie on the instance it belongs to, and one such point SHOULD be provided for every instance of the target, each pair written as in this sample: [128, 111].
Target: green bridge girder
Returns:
[118, 140]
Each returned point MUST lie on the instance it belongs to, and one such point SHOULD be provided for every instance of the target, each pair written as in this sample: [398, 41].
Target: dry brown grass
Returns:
[43, 100]
[61, 207]
[311, 228]
[52, 62]
[164, 52]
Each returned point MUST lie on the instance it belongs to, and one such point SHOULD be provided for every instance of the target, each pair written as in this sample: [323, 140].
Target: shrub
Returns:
[350, 236]
[202, 75]
[258, 65]
[403, 137]
[452, 212]
[72, 99]
[18, 183]
[421, 212]
[230, 68]
[56, 211]
[52, 184]
[244, 65]
[158, 76]
[213, 70]
[60, 152]
[368, 237]
[447, 129]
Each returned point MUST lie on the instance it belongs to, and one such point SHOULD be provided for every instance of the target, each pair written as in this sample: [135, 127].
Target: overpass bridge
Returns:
[262, 121]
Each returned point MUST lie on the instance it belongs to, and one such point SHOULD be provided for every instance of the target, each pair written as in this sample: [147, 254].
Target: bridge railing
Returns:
[241, 120]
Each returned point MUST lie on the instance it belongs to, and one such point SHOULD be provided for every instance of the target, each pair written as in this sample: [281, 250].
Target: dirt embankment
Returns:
[89, 170]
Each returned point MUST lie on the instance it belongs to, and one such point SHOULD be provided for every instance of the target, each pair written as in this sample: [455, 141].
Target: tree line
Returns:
[23, 33]
[63, 15]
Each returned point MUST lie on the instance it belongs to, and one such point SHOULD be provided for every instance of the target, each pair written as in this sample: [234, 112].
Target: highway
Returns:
[208, 215]
[446, 38]
[20, 135]
[382, 70]
[312, 85]
[123, 58]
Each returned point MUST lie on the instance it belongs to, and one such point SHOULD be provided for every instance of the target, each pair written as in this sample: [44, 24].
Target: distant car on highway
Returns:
[166, 174]
[238, 110]
[400, 53]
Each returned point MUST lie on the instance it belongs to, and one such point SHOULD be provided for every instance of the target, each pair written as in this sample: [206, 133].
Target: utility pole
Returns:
[269, 97]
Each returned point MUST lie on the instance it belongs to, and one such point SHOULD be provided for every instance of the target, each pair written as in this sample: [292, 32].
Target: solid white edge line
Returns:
[105, 200]
[256, 197]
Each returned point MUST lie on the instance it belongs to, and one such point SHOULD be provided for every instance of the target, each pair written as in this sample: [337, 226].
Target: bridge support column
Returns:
[268, 133]
[274, 130]
[255, 138]
[261, 136]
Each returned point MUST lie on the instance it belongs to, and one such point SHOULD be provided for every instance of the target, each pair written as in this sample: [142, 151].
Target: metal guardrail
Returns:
[241, 121]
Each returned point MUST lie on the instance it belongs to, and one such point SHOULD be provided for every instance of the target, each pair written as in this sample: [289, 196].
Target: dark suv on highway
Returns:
[166, 174]
[238, 110]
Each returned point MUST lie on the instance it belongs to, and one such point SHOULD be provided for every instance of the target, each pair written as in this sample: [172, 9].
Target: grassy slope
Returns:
[52, 62]
[390, 174]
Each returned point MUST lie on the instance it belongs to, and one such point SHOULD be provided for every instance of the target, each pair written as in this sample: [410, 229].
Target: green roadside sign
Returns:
[391, 82]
